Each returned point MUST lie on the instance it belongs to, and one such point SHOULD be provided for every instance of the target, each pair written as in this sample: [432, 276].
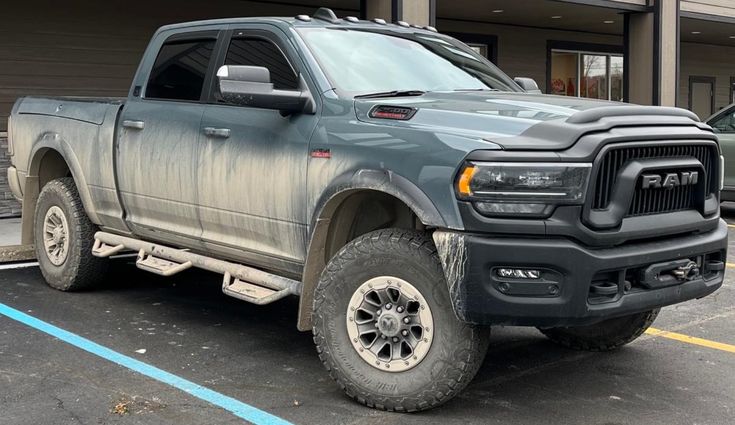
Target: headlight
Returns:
[530, 189]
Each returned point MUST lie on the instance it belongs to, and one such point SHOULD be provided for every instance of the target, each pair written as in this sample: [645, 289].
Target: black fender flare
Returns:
[384, 181]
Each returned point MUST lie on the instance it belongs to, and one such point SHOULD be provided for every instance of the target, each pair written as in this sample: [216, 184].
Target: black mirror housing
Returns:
[251, 86]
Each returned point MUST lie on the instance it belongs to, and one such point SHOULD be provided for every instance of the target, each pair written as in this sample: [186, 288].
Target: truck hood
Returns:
[510, 120]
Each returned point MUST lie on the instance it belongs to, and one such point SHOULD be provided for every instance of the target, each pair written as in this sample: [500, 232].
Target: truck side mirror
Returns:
[251, 86]
[527, 84]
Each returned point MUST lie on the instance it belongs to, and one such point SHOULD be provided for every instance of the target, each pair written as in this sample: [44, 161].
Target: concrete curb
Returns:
[16, 253]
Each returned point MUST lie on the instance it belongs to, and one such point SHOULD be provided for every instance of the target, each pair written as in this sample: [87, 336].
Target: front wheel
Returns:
[384, 325]
[603, 336]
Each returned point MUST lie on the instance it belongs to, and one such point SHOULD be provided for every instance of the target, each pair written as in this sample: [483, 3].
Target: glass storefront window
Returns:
[564, 73]
[591, 75]
[594, 77]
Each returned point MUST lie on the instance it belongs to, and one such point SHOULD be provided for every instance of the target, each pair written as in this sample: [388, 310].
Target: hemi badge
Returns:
[321, 153]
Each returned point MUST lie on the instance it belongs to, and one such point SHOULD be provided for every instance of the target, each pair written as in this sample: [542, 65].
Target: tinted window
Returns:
[179, 70]
[724, 123]
[261, 52]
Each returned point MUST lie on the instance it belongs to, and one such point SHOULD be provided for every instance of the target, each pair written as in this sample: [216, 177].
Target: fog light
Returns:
[519, 273]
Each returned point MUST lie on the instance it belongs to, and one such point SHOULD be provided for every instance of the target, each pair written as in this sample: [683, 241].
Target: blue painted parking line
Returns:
[236, 407]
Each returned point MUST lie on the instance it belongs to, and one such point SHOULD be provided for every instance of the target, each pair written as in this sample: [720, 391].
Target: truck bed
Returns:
[82, 130]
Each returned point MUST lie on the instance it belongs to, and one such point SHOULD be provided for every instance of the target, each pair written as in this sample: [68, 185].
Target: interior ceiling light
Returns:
[696, 32]
[498, 11]
[608, 22]
[556, 17]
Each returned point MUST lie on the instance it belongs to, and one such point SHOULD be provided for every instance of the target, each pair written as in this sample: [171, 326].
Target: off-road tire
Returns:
[607, 335]
[80, 270]
[457, 350]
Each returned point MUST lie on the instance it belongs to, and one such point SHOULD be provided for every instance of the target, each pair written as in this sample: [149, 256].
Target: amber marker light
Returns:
[463, 186]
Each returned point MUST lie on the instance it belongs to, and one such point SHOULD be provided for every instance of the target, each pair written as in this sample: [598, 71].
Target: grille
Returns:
[658, 200]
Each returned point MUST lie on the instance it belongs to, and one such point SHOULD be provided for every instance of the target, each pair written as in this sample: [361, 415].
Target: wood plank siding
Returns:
[92, 48]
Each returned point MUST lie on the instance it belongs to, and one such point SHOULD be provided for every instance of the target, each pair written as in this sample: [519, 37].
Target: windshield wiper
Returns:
[394, 93]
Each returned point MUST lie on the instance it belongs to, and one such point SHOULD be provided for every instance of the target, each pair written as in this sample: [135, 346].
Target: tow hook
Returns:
[688, 271]
[670, 273]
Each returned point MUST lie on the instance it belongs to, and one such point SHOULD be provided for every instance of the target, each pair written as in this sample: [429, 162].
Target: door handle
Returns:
[138, 125]
[220, 133]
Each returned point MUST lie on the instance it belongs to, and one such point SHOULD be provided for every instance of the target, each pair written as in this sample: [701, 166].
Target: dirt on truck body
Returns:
[410, 193]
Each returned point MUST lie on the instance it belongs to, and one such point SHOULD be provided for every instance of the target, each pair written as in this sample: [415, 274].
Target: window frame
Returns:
[244, 32]
[580, 49]
[204, 34]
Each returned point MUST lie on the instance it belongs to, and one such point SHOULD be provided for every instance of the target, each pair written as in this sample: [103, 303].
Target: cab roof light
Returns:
[463, 185]
[352, 19]
[325, 14]
[379, 21]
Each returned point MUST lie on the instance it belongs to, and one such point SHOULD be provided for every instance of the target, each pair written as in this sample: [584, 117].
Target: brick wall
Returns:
[9, 207]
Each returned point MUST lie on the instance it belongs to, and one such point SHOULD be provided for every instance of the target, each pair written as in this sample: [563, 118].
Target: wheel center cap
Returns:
[389, 324]
[58, 234]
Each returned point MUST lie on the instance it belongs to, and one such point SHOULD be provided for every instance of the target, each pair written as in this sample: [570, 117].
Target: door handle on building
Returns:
[138, 125]
[220, 133]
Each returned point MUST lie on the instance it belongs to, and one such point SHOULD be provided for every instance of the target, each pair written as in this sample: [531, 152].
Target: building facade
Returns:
[656, 52]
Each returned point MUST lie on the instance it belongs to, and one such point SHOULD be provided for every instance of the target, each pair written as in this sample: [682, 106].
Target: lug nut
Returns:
[379, 312]
[388, 306]
[406, 320]
[399, 309]
[395, 339]
[385, 337]
[404, 332]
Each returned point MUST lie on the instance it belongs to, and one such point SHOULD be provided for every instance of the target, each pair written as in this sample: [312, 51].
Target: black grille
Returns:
[658, 200]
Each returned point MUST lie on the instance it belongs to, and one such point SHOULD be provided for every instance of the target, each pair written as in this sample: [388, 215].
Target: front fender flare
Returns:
[383, 181]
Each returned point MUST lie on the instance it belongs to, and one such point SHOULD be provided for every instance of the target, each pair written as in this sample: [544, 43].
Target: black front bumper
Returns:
[575, 286]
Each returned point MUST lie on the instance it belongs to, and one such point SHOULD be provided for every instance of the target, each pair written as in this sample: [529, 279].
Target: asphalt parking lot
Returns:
[184, 326]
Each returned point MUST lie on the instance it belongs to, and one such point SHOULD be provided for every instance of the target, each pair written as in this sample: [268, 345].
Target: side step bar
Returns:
[242, 282]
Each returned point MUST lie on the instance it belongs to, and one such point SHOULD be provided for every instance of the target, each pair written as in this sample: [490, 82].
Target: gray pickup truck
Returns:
[410, 193]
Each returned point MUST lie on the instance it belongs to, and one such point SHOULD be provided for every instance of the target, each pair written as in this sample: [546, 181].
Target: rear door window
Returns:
[180, 70]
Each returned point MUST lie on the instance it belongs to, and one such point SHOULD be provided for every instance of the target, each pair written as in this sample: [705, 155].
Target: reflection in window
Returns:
[179, 70]
[594, 77]
[590, 75]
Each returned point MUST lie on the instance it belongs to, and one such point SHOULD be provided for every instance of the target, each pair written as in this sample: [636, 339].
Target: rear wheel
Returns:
[384, 325]
[64, 237]
[603, 336]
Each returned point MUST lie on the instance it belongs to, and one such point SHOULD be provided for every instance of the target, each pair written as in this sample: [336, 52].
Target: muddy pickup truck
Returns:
[410, 193]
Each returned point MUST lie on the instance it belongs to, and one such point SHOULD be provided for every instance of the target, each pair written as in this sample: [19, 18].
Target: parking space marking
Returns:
[236, 407]
[12, 266]
[691, 340]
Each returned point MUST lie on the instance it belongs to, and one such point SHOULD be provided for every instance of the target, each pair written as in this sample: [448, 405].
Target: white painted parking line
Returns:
[12, 266]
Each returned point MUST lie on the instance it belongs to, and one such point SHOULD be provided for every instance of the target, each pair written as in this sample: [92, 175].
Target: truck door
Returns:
[159, 137]
[252, 173]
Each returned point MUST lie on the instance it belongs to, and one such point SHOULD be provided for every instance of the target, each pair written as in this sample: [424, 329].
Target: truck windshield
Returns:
[362, 61]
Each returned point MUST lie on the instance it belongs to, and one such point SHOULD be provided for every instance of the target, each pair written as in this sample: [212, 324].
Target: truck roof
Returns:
[322, 18]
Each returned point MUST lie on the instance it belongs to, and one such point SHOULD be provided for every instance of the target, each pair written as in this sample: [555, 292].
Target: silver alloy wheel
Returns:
[390, 324]
[56, 235]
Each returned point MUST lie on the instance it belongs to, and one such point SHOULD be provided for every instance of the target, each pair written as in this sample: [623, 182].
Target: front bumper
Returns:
[567, 294]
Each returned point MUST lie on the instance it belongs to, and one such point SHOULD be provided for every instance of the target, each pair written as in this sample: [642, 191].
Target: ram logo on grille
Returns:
[669, 180]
